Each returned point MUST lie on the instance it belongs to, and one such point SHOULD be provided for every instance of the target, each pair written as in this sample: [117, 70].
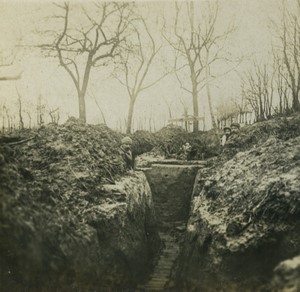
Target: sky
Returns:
[41, 76]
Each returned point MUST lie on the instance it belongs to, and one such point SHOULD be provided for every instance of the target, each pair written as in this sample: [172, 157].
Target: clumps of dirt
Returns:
[204, 144]
[143, 141]
[261, 182]
[282, 128]
[167, 142]
[246, 213]
[80, 154]
[60, 227]
[287, 275]
[207, 145]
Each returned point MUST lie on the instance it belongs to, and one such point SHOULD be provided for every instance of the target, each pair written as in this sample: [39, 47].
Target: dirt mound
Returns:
[143, 142]
[80, 152]
[60, 227]
[287, 275]
[250, 136]
[246, 212]
[204, 144]
[261, 182]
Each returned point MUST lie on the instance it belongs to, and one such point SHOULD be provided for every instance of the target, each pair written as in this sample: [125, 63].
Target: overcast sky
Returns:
[42, 76]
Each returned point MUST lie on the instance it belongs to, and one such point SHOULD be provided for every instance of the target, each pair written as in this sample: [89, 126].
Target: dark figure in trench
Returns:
[126, 152]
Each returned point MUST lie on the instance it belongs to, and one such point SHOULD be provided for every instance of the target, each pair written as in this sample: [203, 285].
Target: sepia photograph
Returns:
[149, 145]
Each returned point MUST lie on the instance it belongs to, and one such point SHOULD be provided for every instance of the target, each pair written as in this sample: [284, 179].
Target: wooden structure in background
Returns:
[186, 122]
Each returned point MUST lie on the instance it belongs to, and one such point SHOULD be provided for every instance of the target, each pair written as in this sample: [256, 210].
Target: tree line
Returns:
[272, 88]
[117, 36]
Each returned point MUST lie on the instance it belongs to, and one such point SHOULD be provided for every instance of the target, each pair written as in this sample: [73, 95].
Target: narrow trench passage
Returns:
[160, 277]
[171, 187]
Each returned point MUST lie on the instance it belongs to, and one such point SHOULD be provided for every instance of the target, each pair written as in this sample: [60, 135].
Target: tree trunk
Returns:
[8, 119]
[261, 115]
[29, 118]
[186, 116]
[296, 104]
[82, 109]
[280, 104]
[21, 123]
[102, 114]
[195, 105]
[82, 92]
[130, 115]
[213, 122]
[170, 112]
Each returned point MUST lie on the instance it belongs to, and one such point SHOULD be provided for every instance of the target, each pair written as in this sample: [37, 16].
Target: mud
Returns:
[171, 187]
[244, 220]
[74, 219]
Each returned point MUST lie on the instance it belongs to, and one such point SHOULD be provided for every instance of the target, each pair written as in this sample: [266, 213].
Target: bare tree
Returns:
[54, 115]
[29, 119]
[168, 104]
[185, 112]
[227, 111]
[197, 46]
[40, 111]
[98, 106]
[281, 86]
[3, 117]
[258, 90]
[21, 122]
[141, 53]
[8, 118]
[91, 44]
[290, 43]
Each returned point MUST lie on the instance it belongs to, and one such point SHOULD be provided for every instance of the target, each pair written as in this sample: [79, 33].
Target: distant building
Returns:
[186, 122]
[243, 118]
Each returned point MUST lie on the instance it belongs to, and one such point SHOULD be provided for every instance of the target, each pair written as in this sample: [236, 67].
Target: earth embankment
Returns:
[245, 216]
[72, 217]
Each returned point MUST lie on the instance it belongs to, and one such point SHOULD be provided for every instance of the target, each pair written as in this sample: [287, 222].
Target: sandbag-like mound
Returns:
[287, 276]
[143, 142]
[68, 220]
[204, 144]
[245, 216]
[250, 136]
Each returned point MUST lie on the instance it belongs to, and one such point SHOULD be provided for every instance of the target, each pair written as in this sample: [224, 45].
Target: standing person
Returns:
[126, 152]
[226, 134]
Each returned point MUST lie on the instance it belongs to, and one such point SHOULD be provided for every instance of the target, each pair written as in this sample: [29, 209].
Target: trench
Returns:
[172, 187]
[186, 259]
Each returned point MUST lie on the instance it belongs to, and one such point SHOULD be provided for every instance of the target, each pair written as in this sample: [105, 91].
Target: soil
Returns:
[245, 212]
[167, 142]
[171, 187]
[72, 217]
[287, 275]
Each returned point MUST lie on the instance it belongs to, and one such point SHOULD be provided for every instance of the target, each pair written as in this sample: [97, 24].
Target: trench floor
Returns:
[160, 279]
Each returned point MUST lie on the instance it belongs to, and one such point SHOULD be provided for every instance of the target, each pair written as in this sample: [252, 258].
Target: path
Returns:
[160, 280]
[171, 186]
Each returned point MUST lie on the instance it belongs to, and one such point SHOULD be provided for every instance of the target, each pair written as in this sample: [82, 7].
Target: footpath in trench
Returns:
[171, 187]
[160, 279]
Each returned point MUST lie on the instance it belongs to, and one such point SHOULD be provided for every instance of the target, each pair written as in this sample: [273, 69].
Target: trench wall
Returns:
[112, 248]
[172, 187]
[225, 251]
